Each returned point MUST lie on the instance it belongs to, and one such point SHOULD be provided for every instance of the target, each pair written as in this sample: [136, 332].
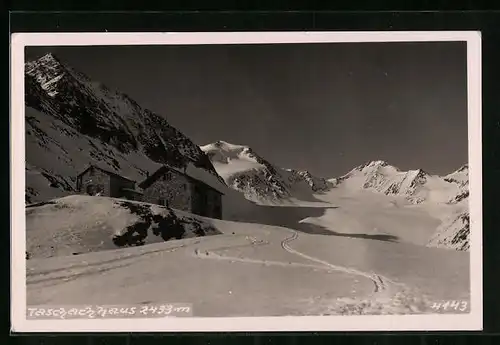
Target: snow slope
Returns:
[454, 230]
[72, 121]
[223, 275]
[79, 224]
[259, 180]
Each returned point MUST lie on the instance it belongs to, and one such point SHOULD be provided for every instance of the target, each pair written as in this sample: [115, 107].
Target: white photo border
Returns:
[19, 323]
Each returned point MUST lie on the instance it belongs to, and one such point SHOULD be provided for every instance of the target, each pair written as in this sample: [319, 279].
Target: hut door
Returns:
[201, 203]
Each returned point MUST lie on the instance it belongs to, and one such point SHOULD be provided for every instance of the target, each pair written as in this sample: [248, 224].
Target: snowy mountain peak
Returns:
[259, 180]
[221, 145]
[47, 63]
[377, 163]
[227, 146]
[224, 152]
[419, 173]
[371, 168]
[49, 57]
[463, 168]
[48, 71]
[374, 165]
[460, 176]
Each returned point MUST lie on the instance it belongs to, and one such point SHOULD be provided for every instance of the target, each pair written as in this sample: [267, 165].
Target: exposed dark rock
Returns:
[109, 118]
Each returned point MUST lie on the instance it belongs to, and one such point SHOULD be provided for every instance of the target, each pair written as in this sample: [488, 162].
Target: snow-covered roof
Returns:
[158, 173]
[93, 165]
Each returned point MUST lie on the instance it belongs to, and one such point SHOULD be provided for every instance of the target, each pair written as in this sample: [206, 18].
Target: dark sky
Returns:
[323, 107]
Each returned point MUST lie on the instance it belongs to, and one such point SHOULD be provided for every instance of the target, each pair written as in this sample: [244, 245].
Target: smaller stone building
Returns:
[95, 180]
[170, 187]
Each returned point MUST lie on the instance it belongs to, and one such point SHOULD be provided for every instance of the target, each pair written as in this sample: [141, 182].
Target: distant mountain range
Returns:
[259, 180]
[416, 186]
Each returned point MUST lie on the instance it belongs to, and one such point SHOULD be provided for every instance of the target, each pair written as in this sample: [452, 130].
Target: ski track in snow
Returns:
[377, 280]
[388, 296]
[211, 254]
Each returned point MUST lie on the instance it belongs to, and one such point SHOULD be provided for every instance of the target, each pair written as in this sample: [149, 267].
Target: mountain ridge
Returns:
[259, 180]
[248, 172]
[64, 108]
[416, 184]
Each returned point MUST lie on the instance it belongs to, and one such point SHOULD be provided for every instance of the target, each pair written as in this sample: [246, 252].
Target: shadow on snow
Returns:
[291, 216]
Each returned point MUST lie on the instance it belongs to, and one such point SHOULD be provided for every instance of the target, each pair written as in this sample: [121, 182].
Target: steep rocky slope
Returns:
[72, 121]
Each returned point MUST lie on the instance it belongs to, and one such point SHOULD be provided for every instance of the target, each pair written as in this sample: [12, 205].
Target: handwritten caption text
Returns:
[109, 311]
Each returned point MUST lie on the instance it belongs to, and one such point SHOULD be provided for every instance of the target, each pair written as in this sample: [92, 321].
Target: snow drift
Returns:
[79, 224]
